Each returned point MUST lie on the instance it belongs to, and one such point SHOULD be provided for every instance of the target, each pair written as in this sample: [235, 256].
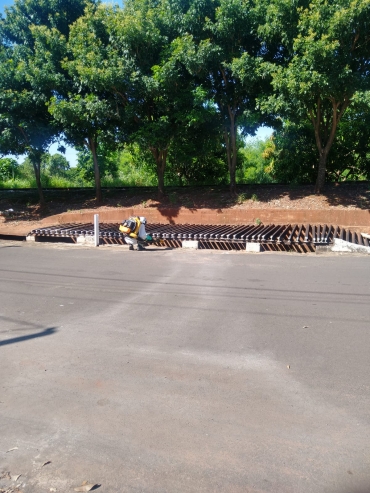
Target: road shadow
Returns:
[14, 340]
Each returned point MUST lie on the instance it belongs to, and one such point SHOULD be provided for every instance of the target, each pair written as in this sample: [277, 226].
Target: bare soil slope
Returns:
[20, 210]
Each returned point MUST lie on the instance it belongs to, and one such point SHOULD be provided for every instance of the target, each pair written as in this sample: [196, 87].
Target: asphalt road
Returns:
[177, 371]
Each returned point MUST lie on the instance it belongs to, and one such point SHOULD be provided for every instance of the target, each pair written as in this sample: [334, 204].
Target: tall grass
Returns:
[134, 180]
[17, 183]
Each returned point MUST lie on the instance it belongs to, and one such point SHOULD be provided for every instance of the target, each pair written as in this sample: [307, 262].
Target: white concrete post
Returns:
[96, 230]
[190, 244]
[253, 247]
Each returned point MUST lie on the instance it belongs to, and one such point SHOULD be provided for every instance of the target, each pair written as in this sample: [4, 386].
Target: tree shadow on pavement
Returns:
[14, 340]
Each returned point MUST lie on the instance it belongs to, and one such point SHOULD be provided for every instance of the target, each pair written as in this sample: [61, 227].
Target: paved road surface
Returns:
[174, 371]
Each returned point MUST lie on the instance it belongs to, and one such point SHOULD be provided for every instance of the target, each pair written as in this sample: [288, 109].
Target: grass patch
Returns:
[242, 197]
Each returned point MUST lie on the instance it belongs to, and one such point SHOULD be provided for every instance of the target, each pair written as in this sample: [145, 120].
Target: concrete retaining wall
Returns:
[344, 218]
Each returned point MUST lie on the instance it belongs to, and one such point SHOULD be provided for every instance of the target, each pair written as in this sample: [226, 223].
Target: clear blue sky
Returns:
[7, 3]
[4, 3]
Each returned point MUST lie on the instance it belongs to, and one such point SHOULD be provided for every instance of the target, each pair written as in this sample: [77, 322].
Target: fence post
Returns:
[96, 230]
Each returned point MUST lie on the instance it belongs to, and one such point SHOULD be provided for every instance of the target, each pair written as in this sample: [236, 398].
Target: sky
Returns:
[4, 3]
[71, 153]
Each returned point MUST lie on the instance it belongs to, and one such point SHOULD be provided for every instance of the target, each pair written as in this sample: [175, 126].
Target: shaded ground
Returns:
[337, 196]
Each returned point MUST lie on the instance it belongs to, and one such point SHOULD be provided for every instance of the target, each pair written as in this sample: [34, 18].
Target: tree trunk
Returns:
[233, 159]
[320, 181]
[93, 148]
[160, 157]
[230, 141]
[160, 173]
[338, 110]
[36, 163]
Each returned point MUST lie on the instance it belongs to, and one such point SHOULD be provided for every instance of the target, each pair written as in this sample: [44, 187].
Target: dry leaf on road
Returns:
[85, 486]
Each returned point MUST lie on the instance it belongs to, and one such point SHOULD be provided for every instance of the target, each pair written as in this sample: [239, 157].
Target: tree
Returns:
[8, 168]
[197, 154]
[26, 126]
[254, 164]
[329, 64]
[83, 113]
[126, 56]
[108, 164]
[58, 14]
[162, 115]
[159, 100]
[85, 107]
[87, 121]
[56, 164]
[293, 156]
[224, 53]
[349, 158]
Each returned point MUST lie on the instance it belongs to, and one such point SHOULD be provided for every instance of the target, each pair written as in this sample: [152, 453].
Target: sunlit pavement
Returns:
[178, 371]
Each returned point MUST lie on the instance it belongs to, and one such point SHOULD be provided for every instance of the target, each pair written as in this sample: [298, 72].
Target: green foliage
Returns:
[293, 158]
[253, 163]
[26, 171]
[108, 164]
[8, 169]
[328, 64]
[58, 14]
[136, 167]
[242, 197]
[197, 155]
[16, 183]
[350, 156]
[55, 165]
[163, 92]
[224, 56]
[29, 72]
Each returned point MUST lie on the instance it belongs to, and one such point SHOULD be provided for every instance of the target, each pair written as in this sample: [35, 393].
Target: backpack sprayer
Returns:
[134, 230]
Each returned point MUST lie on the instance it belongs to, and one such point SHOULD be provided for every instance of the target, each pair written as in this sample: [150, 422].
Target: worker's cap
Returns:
[142, 219]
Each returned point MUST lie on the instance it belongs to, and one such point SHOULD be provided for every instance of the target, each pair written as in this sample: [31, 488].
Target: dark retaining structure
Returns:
[301, 238]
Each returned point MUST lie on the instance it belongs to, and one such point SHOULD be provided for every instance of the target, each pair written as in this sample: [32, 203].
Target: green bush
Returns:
[253, 163]
[17, 183]
[8, 168]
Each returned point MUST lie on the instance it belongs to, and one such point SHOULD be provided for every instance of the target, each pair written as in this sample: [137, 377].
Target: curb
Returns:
[11, 237]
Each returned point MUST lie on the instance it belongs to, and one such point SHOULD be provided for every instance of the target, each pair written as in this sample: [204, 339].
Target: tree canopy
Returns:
[184, 82]
[27, 83]
[329, 64]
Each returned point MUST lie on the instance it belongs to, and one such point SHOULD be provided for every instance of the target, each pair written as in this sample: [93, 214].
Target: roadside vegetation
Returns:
[165, 93]
[131, 167]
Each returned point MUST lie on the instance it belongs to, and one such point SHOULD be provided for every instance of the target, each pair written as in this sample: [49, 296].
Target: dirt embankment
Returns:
[346, 204]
